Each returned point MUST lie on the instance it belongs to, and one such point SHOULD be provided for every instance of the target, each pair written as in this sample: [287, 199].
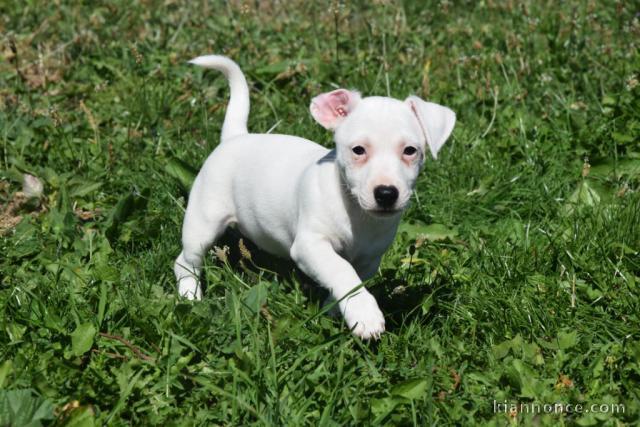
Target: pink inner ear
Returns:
[330, 108]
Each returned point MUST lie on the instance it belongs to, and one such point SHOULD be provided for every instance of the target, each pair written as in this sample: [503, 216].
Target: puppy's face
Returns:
[381, 144]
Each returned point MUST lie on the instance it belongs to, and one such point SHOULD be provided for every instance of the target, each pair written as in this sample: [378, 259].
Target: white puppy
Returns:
[334, 212]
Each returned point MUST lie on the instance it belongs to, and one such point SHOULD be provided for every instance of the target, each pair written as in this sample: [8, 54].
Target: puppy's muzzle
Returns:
[385, 196]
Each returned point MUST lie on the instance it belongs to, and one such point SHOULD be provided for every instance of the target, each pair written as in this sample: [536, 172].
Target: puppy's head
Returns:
[381, 143]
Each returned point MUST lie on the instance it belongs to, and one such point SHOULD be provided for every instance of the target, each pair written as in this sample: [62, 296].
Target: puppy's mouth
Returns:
[384, 212]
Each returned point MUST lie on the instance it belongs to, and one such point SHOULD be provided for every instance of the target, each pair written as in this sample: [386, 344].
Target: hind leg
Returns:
[199, 232]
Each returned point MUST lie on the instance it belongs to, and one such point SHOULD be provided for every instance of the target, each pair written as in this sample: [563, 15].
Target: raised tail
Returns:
[235, 121]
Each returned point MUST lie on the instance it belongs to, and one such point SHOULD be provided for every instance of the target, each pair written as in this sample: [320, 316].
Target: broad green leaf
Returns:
[411, 389]
[124, 209]
[26, 246]
[82, 338]
[502, 349]
[427, 303]
[126, 380]
[5, 370]
[256, 297]
[585, 194]
[383, 407]
[182, 172]
[527, 380]
[15, 331]
[567, 339]
[119, 215]
[23, 408]
[533, 353]
[483, 188]
[622, 138]
[84, 189]
[436, 347]
[106, 273]
[82, 416]
[589, 193]
[611, 168]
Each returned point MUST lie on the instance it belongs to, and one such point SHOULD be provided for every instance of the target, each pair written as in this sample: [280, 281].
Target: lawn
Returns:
[514, 279]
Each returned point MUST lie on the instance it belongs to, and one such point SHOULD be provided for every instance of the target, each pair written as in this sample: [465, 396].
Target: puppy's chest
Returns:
[365, 242]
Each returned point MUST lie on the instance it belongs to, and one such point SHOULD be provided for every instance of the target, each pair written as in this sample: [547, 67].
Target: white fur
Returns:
[299, 200]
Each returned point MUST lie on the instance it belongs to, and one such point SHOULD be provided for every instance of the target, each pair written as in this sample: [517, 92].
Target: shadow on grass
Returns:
[264, 263]
[405, 300]
[400, 301]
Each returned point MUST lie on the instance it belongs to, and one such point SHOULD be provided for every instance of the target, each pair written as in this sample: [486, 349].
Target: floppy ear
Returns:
[435, 120]
[329, 109]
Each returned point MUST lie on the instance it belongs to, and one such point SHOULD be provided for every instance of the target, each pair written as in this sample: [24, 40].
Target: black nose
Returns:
[385, 195]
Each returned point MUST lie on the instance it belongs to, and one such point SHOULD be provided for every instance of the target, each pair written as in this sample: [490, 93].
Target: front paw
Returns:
[363, 316]
[189, 288]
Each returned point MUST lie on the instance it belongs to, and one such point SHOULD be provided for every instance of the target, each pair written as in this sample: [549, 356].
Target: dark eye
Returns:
[358, 150]
[410, 151]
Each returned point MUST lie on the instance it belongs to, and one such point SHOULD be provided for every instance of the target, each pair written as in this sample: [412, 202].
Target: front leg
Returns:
[316, 257]
[368, 268]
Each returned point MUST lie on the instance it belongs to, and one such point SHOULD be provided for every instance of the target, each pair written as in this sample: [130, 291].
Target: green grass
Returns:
[524, 283]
